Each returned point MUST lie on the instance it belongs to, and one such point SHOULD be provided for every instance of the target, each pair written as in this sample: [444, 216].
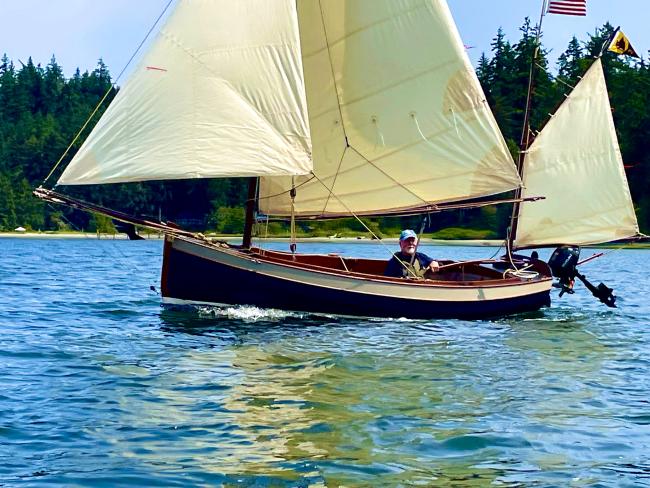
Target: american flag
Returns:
[567, 7]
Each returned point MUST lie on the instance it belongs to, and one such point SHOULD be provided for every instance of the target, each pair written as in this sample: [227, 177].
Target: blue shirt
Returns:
[398, 270]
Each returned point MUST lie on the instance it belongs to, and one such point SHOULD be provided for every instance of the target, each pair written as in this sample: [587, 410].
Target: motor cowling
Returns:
[563, 264]
[563, 261]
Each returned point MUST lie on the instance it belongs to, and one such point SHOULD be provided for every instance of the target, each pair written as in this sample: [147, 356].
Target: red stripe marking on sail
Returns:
[156, 69]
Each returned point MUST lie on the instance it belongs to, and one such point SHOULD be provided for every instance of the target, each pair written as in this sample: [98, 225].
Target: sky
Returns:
[80, 32]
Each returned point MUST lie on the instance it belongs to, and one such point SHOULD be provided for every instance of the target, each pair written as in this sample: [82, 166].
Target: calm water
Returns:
[101, 387]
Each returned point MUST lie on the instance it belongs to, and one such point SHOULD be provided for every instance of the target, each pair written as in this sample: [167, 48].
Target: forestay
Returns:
[575, 162]
[219, 93]
[397, 116]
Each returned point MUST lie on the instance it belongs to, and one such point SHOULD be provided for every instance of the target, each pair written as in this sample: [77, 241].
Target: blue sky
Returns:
[79, 32]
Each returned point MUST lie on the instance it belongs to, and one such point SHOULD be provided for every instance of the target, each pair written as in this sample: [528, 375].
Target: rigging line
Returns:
[524, 143]
[101, 102]
[60, 198]
[509, 253]
[286, 191]
[86, 234]
[74, 140]
[292, 229]
[521, 273]
[266, 234]
[329, 57]
[389, 176]
[417, 241]
[601, 254]
[365, 226]
[518, 272]
[498, 249]
[556, 78]
[153, 26]
[336, 175]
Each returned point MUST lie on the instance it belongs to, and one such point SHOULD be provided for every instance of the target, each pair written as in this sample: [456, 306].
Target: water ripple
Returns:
[102, 387]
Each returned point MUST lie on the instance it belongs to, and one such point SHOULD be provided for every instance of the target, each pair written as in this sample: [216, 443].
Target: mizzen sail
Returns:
[575, 162]
[397, 116]
[220, 93]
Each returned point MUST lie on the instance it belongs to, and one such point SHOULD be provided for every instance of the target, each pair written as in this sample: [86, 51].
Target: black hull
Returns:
[188, 278]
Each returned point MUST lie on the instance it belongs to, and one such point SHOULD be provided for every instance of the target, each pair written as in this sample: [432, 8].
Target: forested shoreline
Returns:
[41, 112]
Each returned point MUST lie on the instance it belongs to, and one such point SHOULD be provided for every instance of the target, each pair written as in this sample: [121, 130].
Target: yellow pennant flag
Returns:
[621, 45]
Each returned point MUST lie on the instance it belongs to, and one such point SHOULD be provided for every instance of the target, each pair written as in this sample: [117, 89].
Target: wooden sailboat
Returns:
[335, 108]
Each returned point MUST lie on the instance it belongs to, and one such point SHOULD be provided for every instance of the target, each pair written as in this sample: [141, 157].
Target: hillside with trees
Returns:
[41, 112]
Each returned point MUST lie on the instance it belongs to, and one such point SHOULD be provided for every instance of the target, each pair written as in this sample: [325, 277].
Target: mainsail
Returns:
[220, 93]
[575, 162]
[397, 116]
[379, 94]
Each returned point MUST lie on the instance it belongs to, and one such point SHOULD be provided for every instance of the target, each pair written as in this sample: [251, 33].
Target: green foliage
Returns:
[56, 221]
[101, 224]
[7, 205]
[458, 233]
[227, 220]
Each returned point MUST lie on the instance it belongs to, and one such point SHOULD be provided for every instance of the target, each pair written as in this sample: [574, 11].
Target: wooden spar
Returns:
[251, 201]
[525, 133]
[60, 199]
[410, 211]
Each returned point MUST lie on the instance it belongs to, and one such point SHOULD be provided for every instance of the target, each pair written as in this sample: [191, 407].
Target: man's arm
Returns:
[394, 268]
[427, 262]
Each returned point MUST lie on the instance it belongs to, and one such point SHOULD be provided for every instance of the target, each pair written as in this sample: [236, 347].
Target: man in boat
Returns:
[408, 263]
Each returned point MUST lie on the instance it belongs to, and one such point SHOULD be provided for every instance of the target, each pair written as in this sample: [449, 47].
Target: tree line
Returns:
[41, 111]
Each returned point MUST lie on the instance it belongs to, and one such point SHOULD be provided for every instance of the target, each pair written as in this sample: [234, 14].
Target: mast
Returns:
[251, 201]
[525, 132]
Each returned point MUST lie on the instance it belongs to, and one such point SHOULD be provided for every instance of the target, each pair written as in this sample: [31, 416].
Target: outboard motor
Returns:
[563, 264]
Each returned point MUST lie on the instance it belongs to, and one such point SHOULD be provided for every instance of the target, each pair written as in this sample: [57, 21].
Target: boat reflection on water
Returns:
[335, 403]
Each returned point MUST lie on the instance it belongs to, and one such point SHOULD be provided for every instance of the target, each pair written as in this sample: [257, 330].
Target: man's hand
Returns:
[434, 266]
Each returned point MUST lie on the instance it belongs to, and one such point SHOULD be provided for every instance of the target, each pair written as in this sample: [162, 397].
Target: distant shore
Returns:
[66, 235]
[235, 238]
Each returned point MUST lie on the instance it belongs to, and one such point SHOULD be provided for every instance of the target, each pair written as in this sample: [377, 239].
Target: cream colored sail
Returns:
[575, 162]
[397, 116]
[220, 93]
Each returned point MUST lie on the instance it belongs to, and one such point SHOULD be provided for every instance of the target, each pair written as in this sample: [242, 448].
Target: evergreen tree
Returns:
[571, 63]
[501, 84]
[7, 205]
